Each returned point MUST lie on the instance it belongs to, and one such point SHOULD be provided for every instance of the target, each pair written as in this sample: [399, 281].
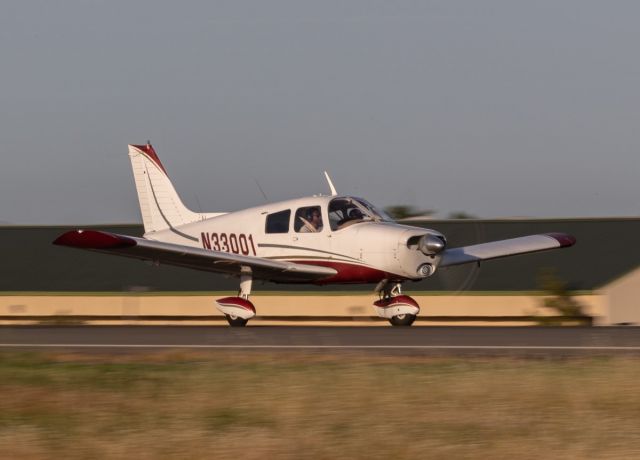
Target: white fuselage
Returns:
[362, 251]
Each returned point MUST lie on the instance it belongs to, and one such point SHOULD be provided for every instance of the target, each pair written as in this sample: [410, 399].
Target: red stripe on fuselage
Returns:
[349, 273]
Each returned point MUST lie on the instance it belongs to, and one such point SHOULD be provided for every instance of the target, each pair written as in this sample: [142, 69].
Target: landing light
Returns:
[425, 270]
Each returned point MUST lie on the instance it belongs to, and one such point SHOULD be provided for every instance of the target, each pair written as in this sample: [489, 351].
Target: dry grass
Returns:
[221, 405]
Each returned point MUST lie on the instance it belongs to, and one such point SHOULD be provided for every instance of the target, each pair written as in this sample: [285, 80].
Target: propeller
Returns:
[454, 279]
[461, 278]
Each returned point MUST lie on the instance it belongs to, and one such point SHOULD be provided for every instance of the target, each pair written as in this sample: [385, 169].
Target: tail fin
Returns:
[160, 205]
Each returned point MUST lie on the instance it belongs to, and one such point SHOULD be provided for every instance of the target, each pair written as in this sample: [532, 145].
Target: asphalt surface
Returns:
[440, 341]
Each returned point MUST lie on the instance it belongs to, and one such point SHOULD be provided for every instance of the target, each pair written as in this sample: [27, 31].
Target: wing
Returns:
[189, 257]
[505, 248]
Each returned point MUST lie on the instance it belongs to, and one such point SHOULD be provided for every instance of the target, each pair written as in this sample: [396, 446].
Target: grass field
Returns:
[223, 405]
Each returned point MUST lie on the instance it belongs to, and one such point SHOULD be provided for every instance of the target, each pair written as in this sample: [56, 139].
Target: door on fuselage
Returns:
[310, 235]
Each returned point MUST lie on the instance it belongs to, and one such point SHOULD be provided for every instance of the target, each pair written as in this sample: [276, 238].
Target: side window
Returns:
[278, 222]
[308, 220]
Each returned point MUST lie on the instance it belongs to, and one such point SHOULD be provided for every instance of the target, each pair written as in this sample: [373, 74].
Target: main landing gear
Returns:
[238, 310]
[399, 309]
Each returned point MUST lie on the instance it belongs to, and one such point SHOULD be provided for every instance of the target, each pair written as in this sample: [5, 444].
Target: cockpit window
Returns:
[278, 222]
[346, 211]
[377, 213]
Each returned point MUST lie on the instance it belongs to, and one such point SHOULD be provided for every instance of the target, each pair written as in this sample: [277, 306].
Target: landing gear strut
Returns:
[238, 310]
[399, 309]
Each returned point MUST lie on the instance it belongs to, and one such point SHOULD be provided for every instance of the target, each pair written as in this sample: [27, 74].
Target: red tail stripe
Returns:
[151, 153]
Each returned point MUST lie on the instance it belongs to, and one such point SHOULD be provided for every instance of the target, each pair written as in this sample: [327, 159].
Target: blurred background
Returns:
[498, 109]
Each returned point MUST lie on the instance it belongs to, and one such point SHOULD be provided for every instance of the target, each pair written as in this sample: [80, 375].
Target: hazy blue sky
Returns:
[497, 108]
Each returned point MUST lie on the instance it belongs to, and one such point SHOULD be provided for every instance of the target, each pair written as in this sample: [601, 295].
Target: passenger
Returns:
[313, 222]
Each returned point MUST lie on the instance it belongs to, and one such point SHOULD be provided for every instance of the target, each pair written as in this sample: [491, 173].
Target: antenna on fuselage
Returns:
[331, 187]
[261, 191]
[198, 202]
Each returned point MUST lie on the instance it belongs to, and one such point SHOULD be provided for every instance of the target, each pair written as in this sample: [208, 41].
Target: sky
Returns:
[496, 108]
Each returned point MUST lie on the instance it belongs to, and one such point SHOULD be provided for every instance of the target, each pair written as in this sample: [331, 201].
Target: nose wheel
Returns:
[399, 309]
[236, 321]
[404, 319]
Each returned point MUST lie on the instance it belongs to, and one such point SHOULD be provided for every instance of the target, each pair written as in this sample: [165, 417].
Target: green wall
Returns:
[606, 249]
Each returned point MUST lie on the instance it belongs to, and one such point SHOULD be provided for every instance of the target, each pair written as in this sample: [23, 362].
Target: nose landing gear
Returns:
[238, 310]
[399, 309]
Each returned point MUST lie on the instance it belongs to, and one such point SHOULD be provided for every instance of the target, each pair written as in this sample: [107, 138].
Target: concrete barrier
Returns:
[477, 309]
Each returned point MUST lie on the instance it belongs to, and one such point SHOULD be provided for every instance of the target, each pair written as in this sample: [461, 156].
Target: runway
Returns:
[434, 341]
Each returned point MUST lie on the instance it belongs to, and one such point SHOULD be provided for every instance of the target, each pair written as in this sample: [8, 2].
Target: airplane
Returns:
[321, 239]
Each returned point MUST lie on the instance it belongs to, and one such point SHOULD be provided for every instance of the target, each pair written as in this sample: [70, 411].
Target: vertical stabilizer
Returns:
[160, 205]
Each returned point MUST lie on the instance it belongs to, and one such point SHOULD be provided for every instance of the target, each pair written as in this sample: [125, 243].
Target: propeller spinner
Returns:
[432, 244]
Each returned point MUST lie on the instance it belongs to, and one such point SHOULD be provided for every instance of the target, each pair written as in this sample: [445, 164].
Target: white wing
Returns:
[505, 248]
[189, 257]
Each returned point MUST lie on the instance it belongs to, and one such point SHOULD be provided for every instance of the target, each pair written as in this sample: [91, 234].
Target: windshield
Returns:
[345, 211]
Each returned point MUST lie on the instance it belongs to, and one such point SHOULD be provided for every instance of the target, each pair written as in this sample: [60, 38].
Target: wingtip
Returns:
[93, 239]
[564, 239]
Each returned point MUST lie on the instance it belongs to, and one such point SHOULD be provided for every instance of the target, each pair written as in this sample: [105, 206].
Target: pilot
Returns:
[355, 214]
[313, 222]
